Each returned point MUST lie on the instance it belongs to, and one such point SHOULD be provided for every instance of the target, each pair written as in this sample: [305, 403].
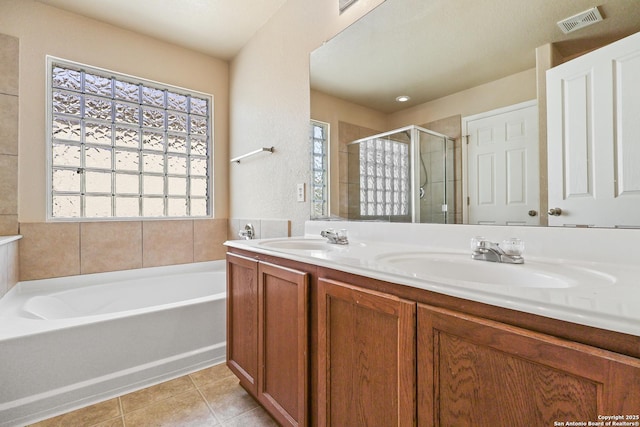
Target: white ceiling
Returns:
[423, 48]
[219, 28]
[432, 48]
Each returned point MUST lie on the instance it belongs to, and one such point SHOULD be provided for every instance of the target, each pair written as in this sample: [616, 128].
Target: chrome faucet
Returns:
[248, 232]
[485, 250]
[335, 237]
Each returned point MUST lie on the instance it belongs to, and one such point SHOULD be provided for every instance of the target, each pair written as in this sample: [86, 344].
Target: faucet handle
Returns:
[512, 246]
[476, 243]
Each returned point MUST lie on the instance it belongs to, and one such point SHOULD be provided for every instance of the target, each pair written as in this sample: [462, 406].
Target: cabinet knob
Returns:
[533, 212]
[555, 212]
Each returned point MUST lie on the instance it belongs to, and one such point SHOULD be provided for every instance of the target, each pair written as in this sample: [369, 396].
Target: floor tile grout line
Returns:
[206, 402]
[195, 385]
[155, 402]
[124, 423]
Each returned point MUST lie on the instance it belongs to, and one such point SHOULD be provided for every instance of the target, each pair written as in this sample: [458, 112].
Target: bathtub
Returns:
[73, 341]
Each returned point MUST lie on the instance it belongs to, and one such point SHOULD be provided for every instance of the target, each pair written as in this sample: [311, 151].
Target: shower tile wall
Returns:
[434, 190]
[452, 127]
[64, 249]
[8, 135]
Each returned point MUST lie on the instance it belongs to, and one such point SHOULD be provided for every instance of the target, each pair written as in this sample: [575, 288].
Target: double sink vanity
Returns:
[400, 326]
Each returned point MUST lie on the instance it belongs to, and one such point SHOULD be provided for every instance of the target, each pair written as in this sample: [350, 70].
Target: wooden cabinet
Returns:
[283, 343]
[327, 348]
[477, 372]
[267, 335]
[242, 320]
[366, 357]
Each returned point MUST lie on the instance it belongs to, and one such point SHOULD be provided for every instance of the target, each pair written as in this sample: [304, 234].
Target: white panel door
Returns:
[503, 166]
[593, 120]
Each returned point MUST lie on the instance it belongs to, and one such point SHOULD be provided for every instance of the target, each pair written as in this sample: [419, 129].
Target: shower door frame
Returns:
[414, 165]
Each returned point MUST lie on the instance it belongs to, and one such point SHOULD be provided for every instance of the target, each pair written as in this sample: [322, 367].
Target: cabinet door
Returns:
[283, 343]
[476, 372]
[366, 357]
[242, 320]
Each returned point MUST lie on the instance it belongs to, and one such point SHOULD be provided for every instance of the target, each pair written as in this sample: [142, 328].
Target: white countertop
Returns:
[612, 303]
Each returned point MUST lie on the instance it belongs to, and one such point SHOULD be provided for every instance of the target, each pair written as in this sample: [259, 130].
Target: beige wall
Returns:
[270, 93]
[44, 30]
[507, 91]
[329, 109]
[69, 248]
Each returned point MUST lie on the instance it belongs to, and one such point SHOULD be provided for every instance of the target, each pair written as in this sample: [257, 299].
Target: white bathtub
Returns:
[69, 342]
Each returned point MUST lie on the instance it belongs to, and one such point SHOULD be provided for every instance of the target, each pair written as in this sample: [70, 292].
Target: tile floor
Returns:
[210, 397]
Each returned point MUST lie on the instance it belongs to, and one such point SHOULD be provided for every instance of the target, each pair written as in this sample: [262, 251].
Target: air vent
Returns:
[581, 20]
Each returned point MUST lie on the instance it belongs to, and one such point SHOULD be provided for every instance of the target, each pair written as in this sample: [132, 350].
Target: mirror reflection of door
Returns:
[593, 113]
[503, 166]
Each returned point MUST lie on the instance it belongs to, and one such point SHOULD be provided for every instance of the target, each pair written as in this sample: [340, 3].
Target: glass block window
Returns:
[124, 147]
[384, 178]
[319, 169]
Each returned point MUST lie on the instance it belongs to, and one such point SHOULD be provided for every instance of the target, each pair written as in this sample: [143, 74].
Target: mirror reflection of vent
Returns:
[581, 20]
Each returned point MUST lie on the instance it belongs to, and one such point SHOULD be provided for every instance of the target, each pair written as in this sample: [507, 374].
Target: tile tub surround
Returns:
[8, 263]
[9, 66]
[71, 248]
[209, 397]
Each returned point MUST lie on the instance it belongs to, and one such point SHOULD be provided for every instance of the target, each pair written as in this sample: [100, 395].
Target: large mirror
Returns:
[459, 63]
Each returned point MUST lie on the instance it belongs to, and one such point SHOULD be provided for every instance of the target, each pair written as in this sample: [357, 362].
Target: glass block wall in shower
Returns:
[384, 178]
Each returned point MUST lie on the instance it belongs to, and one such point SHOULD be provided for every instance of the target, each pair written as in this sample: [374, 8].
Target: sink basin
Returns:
[460, 269]
[298, 245]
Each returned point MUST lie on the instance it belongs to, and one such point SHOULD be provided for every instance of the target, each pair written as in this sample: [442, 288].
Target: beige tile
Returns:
[90, 416]
[167, 242]
[110, 246]
[8, 184]
[49, 250]
[8, 225]
[227, 398]
[154, 394]
[353, 167]
[184, 410]
[211, 375]
[9, 51]
[116, 422]
[208, 237]
[8, 124]
[257, 417]
[343, 201]
[343, 167]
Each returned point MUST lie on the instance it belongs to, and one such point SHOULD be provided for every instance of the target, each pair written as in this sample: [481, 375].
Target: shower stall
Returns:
[404, 175]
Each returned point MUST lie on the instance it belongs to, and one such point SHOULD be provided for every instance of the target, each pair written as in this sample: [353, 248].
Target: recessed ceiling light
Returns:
[403, 98]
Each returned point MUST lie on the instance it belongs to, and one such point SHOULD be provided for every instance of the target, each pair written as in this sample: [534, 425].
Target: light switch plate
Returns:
[300, 192]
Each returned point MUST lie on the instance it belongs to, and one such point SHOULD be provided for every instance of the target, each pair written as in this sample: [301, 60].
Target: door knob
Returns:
[555, 212]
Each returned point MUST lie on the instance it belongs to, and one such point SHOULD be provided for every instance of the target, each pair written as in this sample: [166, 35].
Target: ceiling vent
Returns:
[581, 20]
